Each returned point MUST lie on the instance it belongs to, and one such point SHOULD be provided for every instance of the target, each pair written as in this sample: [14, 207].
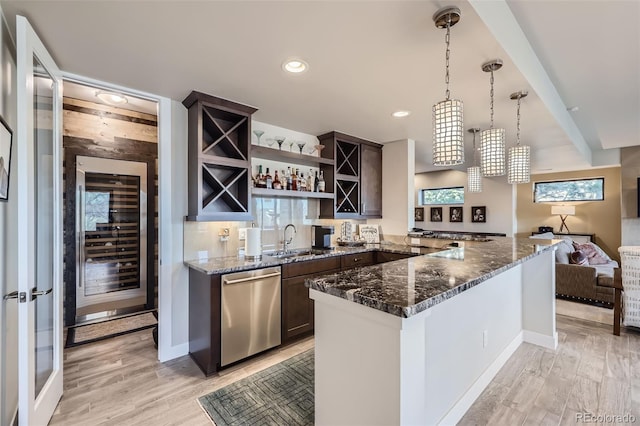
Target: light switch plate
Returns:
[242, 234]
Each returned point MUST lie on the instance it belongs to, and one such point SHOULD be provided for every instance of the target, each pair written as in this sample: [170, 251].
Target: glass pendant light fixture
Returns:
[519, 155]
[492, 145]
[474, 175]
[448, 129]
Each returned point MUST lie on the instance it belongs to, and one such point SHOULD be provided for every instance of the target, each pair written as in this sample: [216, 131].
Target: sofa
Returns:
[583, 282]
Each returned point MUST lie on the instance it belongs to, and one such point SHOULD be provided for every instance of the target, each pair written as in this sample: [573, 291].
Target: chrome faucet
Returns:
[285, 242]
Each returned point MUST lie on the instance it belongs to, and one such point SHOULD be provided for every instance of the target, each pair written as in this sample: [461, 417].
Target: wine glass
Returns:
[280, 140]
[301, 145]
[258, 134]
[318, 148]
[290, 145]
[270, 142]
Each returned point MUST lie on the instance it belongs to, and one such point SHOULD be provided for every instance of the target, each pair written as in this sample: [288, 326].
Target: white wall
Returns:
[497, 195]
[8, 282]
[398, 169]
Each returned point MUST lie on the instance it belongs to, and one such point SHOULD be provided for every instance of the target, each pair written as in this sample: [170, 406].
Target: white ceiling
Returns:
[370, 58]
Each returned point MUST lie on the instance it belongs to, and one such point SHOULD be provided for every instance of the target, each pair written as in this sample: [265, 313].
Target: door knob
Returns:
[35, 293]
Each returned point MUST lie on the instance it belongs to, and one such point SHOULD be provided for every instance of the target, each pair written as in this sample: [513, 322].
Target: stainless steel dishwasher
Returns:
[251, 312]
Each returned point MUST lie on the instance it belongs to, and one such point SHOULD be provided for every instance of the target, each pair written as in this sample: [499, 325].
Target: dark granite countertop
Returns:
[225, 265]
[409, 286]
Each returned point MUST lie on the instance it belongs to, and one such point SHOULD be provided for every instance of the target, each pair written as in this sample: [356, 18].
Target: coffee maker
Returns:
[321, 237]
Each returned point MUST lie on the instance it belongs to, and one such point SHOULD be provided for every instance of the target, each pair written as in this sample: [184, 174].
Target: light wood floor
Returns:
[120, 382]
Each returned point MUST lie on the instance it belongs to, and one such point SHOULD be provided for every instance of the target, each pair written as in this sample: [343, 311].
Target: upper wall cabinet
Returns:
[219, 158]
[356, 177]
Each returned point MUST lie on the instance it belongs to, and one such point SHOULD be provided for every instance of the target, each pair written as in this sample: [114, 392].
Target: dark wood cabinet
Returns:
[383, 256]
[356, 177]
[204, 320]
[371, 181]
[219, 173]
[297, 307]
[355, 260]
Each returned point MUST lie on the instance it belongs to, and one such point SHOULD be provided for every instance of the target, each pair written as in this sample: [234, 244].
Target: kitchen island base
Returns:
[374, 368]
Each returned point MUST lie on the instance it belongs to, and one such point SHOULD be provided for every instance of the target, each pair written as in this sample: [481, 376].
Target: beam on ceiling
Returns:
[498, 17]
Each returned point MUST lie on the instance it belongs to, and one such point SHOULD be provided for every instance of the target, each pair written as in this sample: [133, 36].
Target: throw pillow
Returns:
[579, 258]
[563, 251]
[594, 255]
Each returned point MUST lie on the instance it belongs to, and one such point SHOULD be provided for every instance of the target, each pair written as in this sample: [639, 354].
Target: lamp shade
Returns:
[563, 210]
[492, 152]
[474, 179]
[519, 169]
[448, 136]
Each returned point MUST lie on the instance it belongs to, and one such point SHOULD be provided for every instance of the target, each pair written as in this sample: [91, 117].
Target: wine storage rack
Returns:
[219, 158]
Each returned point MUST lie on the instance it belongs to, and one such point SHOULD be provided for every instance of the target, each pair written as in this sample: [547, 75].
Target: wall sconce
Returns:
[563, 212]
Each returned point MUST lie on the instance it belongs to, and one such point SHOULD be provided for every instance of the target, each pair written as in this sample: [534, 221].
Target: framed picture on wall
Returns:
[6, 138]
[436, 214]
[455, 214]
[479, 214]
[418, 214]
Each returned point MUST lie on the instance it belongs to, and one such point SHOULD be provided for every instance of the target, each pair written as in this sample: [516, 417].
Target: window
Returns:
[453, 195]
[569, 190]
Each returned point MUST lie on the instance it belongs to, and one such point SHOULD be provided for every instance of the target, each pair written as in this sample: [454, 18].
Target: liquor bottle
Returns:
[268, 180]
[294, 180]
[262, 183]
[283, 180]
[276, 181]
[321, 182]
[310, 182]
[316, 183]
[289, 179]
[302, 183]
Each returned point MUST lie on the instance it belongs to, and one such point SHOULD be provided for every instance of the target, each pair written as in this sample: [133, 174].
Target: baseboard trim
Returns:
[549, 342]
[466, 401]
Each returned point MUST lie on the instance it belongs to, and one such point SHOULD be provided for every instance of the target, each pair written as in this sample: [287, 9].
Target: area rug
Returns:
[83, 334]
[279, 395]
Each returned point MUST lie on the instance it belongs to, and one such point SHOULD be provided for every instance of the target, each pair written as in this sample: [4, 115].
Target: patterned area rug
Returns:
[279, 395]
[89, 333]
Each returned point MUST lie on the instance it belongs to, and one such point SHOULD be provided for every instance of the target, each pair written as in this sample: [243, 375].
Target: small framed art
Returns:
[436, 214]
[479, 214]
[455, 214]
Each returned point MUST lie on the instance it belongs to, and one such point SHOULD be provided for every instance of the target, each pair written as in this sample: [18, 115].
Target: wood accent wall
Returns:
[98, 130]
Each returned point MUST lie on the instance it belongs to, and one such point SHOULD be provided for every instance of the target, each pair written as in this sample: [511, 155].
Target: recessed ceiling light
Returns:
[400, 114]
[111, 98]
[295, 66]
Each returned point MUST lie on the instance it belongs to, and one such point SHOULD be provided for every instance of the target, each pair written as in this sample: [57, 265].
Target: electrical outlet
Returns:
[223, 233]
[242, 234]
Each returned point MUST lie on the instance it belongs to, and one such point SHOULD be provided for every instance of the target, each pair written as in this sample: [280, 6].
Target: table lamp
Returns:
[563, 212]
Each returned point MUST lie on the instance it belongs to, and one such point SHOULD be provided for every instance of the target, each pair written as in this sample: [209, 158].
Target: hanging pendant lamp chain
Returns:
[447, 39]
[474, 149]
[491, 97]
[518, 122]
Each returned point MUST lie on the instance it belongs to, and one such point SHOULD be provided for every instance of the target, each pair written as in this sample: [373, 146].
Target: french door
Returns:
[39, 203]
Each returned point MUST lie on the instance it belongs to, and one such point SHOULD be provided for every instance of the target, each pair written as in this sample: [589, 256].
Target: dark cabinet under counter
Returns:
[205, 320]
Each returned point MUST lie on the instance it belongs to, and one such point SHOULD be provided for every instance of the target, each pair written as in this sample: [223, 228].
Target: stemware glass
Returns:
[301, 145]
[280, 140]
[290, 146]
[258, 134]
[318, 148]
[270, 142]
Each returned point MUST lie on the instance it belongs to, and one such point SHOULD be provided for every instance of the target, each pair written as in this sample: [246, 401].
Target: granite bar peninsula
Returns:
[415, 341]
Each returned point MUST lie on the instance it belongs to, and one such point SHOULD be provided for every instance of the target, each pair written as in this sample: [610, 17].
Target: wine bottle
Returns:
[310, 182]
[294, 180]
[302, 185]
[276, 180]
[289, 179]
[321, 182]
[316, 183]
[262, 183]
[268, 180]
[283, 180]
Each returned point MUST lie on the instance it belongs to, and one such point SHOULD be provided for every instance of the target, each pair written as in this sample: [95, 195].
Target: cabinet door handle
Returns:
[364, 207]
[356, 260]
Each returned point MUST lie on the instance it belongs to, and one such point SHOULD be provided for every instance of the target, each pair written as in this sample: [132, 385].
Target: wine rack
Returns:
[219, 158]
[356, 177]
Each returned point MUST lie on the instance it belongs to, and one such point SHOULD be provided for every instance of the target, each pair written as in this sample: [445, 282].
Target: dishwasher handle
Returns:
[255, 278]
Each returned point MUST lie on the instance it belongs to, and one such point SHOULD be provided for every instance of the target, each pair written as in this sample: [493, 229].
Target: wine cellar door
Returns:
[111, 225]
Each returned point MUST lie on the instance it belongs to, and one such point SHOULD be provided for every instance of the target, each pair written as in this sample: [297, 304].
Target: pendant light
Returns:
[492, 145]
[474, 175]
[448, 129]
[519, 155]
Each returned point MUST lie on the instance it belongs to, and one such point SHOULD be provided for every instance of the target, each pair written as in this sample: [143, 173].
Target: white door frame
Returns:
[165, 234]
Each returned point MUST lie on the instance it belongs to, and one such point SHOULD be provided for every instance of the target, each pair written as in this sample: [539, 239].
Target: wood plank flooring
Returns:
[120, 381]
